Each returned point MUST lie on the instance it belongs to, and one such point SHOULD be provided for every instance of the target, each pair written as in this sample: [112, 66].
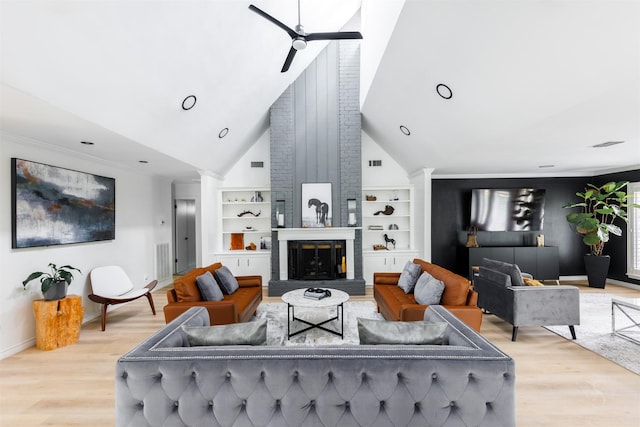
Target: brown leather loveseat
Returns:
[235, 308]
[458, 297]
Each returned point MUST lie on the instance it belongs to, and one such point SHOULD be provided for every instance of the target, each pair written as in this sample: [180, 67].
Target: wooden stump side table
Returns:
[58, 322]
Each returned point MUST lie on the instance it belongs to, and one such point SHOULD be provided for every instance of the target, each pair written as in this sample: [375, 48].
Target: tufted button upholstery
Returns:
[297, 386]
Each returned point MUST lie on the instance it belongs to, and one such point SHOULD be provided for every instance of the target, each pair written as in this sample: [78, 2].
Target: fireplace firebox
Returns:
[316, 259]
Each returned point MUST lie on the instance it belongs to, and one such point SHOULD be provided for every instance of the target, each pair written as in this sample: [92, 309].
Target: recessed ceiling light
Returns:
[607, 144]
[546, 166]
[143, 161]
[86, 142]
[223, 133]
[189, 102]
[405, 130]
[444, 91]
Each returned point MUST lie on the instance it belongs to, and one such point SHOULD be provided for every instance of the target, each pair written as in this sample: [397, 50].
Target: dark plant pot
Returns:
[57, 291]
[597, 268]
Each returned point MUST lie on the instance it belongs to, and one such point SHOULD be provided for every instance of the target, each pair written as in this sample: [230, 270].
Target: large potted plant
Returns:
[600, 207]
[54, 283]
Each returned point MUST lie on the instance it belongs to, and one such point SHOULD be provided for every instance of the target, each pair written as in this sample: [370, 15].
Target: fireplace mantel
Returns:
[328, 233]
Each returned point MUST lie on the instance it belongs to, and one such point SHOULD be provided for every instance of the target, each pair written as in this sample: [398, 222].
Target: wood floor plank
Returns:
[558, 383]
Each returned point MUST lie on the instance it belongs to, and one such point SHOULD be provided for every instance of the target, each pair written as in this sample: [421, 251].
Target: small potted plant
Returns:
[599, 207]
[54, 283]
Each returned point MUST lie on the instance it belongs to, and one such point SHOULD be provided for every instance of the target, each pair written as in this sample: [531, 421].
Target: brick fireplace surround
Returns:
[315, 133]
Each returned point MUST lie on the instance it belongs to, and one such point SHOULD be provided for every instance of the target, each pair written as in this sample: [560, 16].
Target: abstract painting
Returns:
[57, 206]
[316, 205]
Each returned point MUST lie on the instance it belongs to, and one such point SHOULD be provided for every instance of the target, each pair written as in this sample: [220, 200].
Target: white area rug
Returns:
[594, 332]
[276, 315]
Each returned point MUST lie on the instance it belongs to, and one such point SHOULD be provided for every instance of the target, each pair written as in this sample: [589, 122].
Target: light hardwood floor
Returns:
[558, 383]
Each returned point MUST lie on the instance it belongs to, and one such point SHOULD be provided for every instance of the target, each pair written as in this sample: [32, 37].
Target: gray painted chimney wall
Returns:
[315, 137]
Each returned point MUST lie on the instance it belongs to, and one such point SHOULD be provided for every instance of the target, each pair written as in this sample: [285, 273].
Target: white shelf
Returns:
[386, 201]
[234, 203]
[400, 230]
[239, 218]
[392, 259]
[386, 216]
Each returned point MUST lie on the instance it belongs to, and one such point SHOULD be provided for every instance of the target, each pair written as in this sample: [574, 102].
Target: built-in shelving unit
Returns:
[245, 217]
[386, 210]
[391, 214]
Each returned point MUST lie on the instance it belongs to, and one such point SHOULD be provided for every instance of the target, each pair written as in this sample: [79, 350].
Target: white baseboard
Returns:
[612, 281]
[573, 277]
[89, 317]
[18, 348]
[624, 284]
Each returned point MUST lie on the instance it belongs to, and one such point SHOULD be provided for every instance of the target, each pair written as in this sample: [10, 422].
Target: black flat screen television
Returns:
[510, 209]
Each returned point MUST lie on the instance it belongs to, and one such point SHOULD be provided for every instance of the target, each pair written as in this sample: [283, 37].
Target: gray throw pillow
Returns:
[408, 333]
[226, 279]
[428, 290]
[409, 276]
[248, 333]
[511, 270]
[208, 287]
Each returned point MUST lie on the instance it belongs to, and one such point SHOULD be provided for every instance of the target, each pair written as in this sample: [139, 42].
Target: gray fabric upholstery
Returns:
[246, 333]
[390, 332]
[227, 281]
[208, 287]
[428, 290]
[164, 382]
[409, 277]
[527, 305]
[494, 276]
[512, 270]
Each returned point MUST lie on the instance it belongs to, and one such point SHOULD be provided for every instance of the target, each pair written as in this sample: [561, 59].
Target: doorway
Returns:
[185, 235]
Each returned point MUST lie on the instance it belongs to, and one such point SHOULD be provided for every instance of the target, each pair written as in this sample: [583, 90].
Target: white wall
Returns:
[378, 21]
[388, 175]
[243, 175]
[142, 203]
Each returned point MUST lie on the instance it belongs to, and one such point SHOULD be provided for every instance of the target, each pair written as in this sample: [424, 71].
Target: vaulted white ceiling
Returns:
[534, 82]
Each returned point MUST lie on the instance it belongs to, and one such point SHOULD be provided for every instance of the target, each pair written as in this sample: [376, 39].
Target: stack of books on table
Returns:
[316, 293]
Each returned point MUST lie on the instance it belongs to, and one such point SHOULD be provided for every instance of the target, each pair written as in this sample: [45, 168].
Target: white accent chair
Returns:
[111, 285]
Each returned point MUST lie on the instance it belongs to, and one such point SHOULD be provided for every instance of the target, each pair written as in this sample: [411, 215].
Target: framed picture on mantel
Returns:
[316, 204]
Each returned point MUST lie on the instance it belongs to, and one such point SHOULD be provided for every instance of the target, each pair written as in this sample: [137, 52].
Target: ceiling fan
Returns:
[299, 38]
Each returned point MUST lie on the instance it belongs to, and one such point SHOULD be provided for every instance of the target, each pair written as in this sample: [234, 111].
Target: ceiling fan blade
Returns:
[265, 15]
[289, 60]
[344, 35]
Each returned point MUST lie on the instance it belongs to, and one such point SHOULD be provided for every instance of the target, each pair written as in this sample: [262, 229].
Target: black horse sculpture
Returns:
[388, 240]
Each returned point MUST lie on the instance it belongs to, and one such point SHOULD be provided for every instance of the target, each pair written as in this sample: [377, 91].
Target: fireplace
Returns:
[330, 235]
[316, 259]
[313, 257]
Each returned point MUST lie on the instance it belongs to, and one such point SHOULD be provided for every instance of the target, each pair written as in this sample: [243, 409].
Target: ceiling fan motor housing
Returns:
[299, 43]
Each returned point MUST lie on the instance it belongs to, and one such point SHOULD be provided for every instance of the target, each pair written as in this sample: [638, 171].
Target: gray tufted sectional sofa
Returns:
[465, 382]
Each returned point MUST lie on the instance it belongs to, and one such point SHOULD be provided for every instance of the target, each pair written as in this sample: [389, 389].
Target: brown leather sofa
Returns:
[235, 308]
[458, 297]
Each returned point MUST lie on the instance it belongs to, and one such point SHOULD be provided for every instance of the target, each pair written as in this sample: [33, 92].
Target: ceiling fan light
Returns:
[299, 43]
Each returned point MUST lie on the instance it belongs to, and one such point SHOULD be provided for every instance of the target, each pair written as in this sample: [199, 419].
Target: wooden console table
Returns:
[58, 322]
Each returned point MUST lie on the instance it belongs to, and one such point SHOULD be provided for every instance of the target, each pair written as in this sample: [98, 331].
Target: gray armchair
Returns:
[501, 291]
